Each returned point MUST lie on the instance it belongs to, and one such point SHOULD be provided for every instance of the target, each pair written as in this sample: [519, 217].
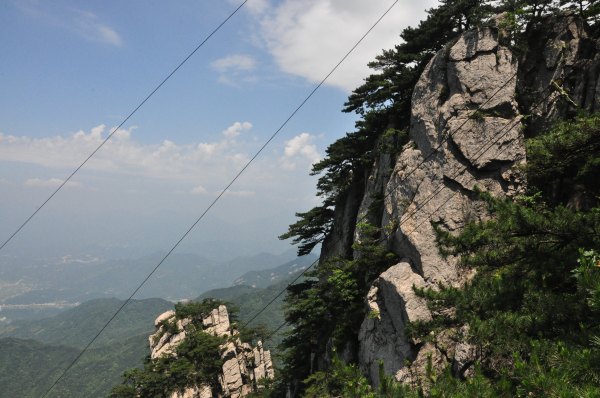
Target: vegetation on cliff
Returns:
[197, 360]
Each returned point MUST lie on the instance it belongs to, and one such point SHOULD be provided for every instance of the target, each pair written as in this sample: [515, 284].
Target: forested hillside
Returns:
[37, 351]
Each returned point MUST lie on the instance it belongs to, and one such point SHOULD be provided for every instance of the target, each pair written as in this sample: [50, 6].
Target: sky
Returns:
[71, 71]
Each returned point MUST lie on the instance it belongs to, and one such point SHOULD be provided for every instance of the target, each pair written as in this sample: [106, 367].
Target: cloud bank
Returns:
[307, 38]
[203, 166]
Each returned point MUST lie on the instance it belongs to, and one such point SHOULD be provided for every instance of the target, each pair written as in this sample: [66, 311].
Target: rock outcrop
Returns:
[562, 55]
[243, 365]
[465, 134]
[452, 150]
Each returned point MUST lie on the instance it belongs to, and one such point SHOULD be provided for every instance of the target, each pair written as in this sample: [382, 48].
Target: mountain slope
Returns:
[28, 368]
[33, 353]
[270, 276]
[77, 326]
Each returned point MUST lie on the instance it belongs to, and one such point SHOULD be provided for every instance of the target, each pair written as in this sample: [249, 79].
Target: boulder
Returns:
[392, 303]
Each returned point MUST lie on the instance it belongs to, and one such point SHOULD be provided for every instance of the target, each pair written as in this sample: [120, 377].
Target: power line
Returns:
[427, 200]
[272, 334]
[187, 232]
[211, 34]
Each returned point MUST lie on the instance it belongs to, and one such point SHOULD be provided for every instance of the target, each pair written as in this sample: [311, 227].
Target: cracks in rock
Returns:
[503, 110]
[405, 249]
[491, 170]
[476, 55]
[455, 151]
[456, 186]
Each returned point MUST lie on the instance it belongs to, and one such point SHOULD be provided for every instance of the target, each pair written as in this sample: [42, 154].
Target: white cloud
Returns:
[213, 163]
[124, 155]
[88, 25]
[301, 147]
[257, 6]
[234, 62]
[50, 183]
[307, 38]
[302, 144]
[235, 68]
[236, 129]
[199, 190]
[108, 35]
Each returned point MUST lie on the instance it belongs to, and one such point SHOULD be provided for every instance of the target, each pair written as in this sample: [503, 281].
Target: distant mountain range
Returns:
[33, 352]
[268, 277]
[66, 281]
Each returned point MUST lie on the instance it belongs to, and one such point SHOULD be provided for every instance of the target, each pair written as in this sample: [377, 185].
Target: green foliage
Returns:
[392, 140]
[564, 164]
[331, 301]
[533, 306]
[523, 289]
[197, 362]
[340, 380]
[197, 310]
[253, 334]
[269, 388]
[310, 229]
[197, 359]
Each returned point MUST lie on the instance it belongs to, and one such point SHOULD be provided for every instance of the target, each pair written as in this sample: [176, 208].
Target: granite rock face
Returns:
[392, 302]
[563, 63]
[243, 364]
[465, 133]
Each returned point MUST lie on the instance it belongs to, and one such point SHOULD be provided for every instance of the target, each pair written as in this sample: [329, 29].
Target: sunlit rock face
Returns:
[465, 134]
[452, 150]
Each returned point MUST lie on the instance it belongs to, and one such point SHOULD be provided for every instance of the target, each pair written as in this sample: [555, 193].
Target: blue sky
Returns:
[72, 70]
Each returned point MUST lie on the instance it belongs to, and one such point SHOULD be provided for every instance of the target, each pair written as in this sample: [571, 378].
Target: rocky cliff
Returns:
[243, 365]
[466, 133]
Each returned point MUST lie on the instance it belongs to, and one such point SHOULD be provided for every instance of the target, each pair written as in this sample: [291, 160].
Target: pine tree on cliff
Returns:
[383, 101]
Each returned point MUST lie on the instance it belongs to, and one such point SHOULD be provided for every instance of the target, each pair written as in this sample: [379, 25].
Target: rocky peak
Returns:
[465, 132]
[243, 365]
